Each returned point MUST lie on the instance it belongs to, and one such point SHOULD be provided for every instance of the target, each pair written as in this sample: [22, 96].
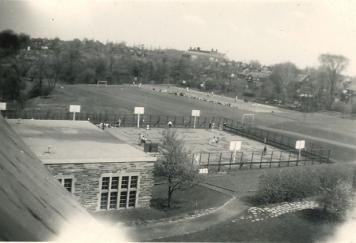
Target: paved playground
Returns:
[196, 140]
[202, 142]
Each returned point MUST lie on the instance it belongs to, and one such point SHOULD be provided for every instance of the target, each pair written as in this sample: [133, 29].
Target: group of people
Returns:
[141, 138]
[214, 140]
[103, 125]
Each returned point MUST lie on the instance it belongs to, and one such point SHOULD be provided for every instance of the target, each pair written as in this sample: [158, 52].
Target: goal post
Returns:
[102, 83]
[248, 119]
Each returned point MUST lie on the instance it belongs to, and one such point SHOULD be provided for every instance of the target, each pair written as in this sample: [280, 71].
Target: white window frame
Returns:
[63, 177]
[119, 190]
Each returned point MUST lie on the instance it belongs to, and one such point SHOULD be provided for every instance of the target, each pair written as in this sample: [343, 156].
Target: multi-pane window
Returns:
[123, 199]
[125, 182]
[118, 192]
[113, 200]
[132, 198]
[104, 200]
[115, 182]
[134, 180]
[67, 183]
[105, 183]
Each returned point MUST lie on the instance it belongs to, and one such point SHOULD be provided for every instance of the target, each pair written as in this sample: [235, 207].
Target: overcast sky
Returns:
[268, 31]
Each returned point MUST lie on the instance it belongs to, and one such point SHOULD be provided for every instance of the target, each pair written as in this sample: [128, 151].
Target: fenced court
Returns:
[226, 161]
[215, 156]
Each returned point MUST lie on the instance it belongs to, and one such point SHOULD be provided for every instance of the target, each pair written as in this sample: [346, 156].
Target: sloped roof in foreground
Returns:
[62, 141]
[33, 205]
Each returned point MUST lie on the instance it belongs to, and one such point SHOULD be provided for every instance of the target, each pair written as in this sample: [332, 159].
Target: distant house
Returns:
[254, 80]
[101, 171]
[350, 86]
[212, 54]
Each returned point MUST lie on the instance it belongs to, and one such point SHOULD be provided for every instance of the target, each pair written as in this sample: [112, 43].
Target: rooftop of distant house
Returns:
[60, 141]
[199, 50]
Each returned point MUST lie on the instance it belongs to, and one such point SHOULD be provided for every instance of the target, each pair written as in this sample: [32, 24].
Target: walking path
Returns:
[191, 224]
[233, 210]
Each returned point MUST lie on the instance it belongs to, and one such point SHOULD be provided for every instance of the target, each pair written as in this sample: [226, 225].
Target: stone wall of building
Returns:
[87, 179]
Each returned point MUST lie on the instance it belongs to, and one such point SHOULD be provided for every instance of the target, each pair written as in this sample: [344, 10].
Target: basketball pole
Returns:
[138, 120]
[234, 158]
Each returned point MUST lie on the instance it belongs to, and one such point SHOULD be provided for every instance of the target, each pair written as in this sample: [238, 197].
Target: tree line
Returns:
[31, 67]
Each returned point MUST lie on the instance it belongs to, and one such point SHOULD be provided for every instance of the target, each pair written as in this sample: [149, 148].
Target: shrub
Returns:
[337, 199]
[286, 185]
[331, 185]
[341, 107]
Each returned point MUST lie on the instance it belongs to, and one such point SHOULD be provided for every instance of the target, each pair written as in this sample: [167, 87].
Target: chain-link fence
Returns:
[313, 153]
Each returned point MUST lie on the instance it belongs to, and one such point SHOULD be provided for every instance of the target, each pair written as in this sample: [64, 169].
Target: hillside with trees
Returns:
[31, 67]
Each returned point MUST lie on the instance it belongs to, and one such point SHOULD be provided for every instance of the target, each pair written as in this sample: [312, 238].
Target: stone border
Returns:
[255, 214]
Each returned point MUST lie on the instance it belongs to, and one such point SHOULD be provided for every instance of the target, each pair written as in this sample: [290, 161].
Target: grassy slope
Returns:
[184, 203]
[123, 99]
[304, 226]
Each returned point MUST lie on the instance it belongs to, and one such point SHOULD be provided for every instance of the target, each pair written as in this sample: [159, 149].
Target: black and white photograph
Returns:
[178, 121]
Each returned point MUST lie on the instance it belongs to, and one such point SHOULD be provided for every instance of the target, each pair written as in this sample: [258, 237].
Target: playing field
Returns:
[327, 128]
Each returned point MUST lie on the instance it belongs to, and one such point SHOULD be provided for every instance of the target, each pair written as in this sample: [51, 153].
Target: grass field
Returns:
[123, 99]
[304, 226]
[185, 202]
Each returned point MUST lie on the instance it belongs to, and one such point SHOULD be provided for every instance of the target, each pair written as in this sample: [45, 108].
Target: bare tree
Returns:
[333, 66]
[175, 165]
[283, 76]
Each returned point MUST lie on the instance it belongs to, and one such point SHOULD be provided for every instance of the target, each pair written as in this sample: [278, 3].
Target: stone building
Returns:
[101, 171]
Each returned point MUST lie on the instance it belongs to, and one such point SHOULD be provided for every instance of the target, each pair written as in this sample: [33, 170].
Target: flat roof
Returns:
[62, 141]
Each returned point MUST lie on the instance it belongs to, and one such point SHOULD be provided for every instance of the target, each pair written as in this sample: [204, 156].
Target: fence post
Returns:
[208, 159]
[289, 158]
[159, 121]
[251, 159]
[270, 164]
[241, 163]
[328, 159]
[261, 160]
[199, 158]
[231, 159]
[280, 158]
[219, 162]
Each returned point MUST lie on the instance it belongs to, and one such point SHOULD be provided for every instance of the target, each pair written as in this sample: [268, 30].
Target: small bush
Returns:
[340, 106]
